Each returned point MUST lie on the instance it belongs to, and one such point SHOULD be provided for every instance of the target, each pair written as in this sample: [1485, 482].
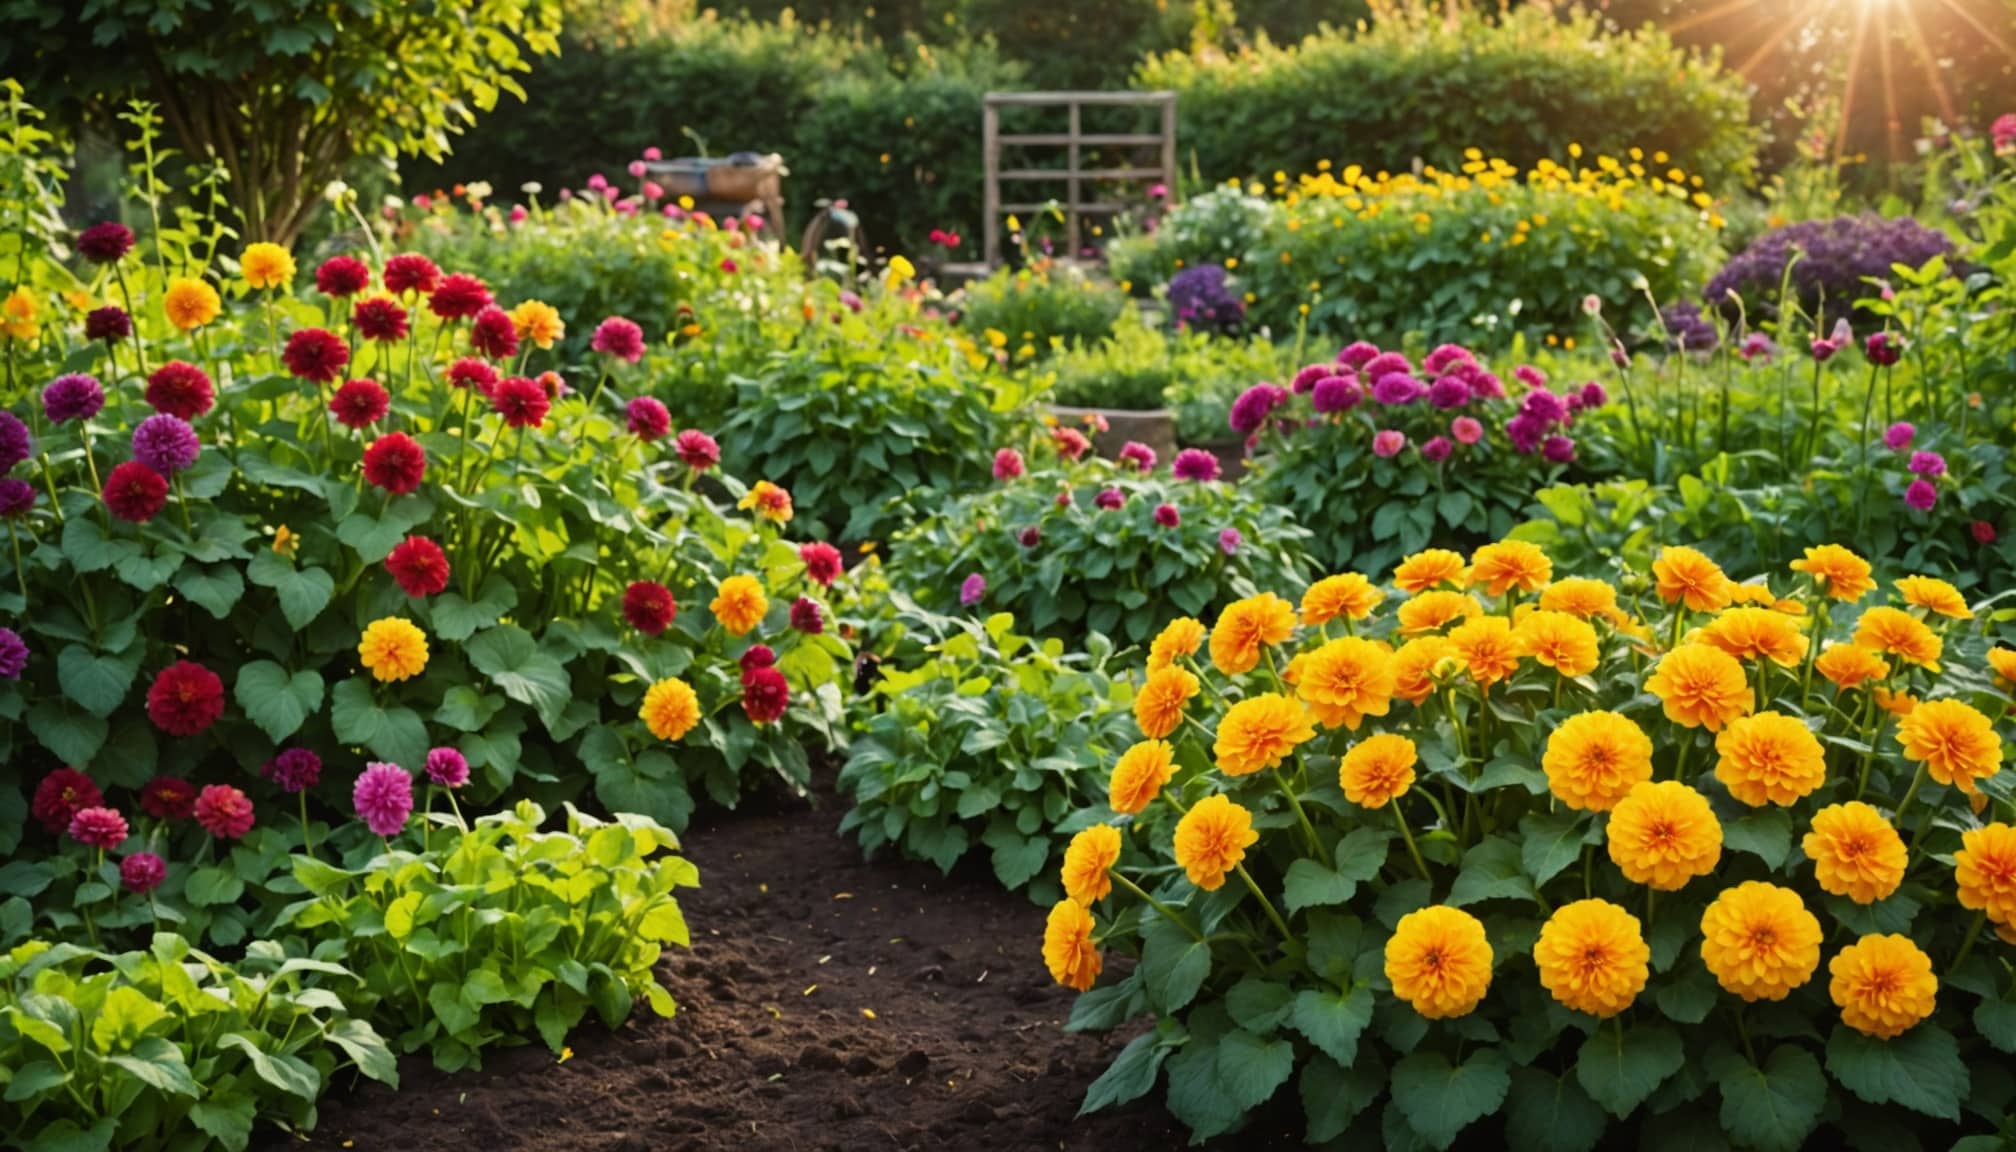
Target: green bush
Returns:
[1414, 85]
[893, 129]
[1140, 367]
[990, 741]
[1076, 567]
[1036, 311]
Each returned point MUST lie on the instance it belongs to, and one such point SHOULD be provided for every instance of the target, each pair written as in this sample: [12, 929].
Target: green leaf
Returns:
[1619, 1069]
[457, 619]
[277, 702]
[1129, 1077]
[1773, 1108]
[1196, 1095]
[394, 734]
[213, 885]
[1332, 1097]
[1439, 1100]
[1764, 833]
[399, 916]
[71, 734]
[1996, 1021]
[1920, 1070]
[1333, 1022]
[446, 1000]
[1309, 885]
[1689, 997]
[216, 587]
[1553, 841]
[97, 681]
[1259, 1005]
[290, 1074]
[1491, 871]
[512, 660]
[1018, 859]
[157, 1063]
[226, 1117]
[36, 1077]
[318, 877]
[1251, 1067]
[303, 592]
[1174, 964]
[123, 1018]
[65, 1135]
[1547, 1113]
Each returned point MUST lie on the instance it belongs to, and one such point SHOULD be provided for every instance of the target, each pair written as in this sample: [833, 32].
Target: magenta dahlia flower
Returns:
[383, 797]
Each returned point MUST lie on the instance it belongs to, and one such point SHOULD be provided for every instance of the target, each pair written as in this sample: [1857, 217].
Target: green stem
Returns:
[1407, 834]
[1315, 843]
[1164, 909]
[1265, 903]
[1967, 945]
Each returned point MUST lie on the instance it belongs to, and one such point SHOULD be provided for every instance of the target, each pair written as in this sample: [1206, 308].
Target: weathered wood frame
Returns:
[1074, 140]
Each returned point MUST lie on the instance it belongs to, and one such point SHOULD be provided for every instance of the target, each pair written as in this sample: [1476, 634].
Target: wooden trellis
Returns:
[1075, 141]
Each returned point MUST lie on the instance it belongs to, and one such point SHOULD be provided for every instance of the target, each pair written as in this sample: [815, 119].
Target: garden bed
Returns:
[797, 939]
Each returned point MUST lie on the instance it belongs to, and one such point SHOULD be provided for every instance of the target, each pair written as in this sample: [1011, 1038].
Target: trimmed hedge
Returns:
[1521, 86]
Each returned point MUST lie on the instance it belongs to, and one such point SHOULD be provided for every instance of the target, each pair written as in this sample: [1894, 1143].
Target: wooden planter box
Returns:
[1155, 427]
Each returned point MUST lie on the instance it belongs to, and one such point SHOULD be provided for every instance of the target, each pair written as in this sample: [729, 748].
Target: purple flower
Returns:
[1249, 411]
[142, 872]
[1388, 442]
[1439, 362]
[1385, 364]
[1029, 537]
[1928, 464]
[1921, 495]
[1688, 329]
[1397, 388]
[1883, 349]
[1449, 392]
[1594, 395]
[1485, 386]
[1229, 541]
[1530, 376]
[13, 654]
[294, 770]
[1195, 464]
[1757, 345]
[1139, 455]
[447, 767]
[1306, 379]
[1167, 516]
[110, 324]
[383, 798]
[1526, 431]
[15, 443]
[72, 397]
[1830, 261]
[1110, 498]
[1544, 406]
[1559, 449]
[1437, 449]
[1335, 394]
[1204, 303]
[17, 498]
[1898, 436]
[805, 616]
[1356, 356]
[972, 589]
[166, 444]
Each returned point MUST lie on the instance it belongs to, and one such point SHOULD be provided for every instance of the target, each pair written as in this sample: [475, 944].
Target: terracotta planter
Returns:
[1155, 427]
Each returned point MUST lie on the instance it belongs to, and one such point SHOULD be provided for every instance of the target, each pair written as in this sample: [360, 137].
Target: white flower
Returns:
[336, 192]
[531, 188]
[1592, 305]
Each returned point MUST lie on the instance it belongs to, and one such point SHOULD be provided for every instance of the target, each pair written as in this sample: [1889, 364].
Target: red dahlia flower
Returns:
[185, 699]
[765, 695]
[341, 276]
[396, 463]
[98, 828]
[379, 318]
[410, 272]
[135, 493]
[224, 812]
[806, 617]
[758, 656]
[648, 419]
[419, 565]
[649, 607]
[105, 243]
[494, 335]
[61, 795]
[822, 562]
[697, 449]
[459, 297]
[522, 402]
[180, 389]
[469, 372]
[360, 403]
[620, 338]
[168, 798]
[316, 354]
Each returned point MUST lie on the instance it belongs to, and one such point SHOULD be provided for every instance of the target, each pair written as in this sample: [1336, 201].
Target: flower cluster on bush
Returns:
[1528, 847]
[1829, 265]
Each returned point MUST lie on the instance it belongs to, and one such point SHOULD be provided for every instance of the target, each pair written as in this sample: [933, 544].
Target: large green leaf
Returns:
[1621, 1067]
[1333, 1022]
[1440, 1100]
[513, 661]
[276, 701]
[1920, 1070]
[217, 587]
[98, 681]
[1332, 1097]
[396, 733]
[303, 592]
[286, 1072]
[1174, 964]
[1130, 1076]
[1773, 1108]
[1252, 1067]
[1548, 1113]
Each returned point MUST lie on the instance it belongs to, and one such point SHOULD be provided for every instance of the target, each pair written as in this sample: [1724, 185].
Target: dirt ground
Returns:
[827, 1004]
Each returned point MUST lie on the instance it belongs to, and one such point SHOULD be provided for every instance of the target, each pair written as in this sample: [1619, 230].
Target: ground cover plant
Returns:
[1553, 859]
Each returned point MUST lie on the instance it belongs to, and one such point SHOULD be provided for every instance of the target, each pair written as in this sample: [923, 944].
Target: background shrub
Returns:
[1041, 309]
[1415, 85]
[1836, 260]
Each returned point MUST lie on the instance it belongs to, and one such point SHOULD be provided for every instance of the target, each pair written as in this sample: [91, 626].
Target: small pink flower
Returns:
[383, 797]
[1229, 541]
[518, 214]
[653, 154]
[728, 264]
[1921, 495]
[636, 167]
[1167, 516]
[1466, 430]
[1140, 455]
[142, 872]
[1437, 449]
[972, 590]
[1110, 498]
[1008, 465]
[1898, 436]
[224, 811]
[98, 828]
[1389, 442]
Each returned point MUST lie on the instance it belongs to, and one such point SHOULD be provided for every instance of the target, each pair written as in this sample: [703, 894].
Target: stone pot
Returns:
[1155, 427]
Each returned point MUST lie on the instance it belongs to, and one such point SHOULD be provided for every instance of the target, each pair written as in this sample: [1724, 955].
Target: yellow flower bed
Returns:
[1677, 841]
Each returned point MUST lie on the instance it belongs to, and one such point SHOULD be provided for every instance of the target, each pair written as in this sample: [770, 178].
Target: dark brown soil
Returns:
[826, 1004]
